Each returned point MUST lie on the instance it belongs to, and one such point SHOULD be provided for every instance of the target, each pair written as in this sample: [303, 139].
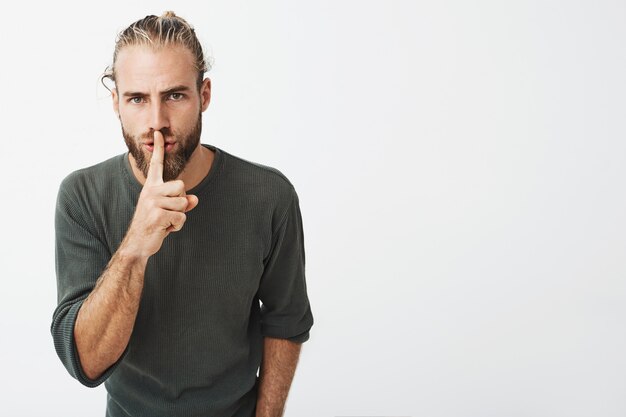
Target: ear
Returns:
[116, 103]
[205, 93]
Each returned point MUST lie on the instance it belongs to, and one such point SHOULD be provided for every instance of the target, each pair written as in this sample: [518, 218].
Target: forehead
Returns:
[142, 68]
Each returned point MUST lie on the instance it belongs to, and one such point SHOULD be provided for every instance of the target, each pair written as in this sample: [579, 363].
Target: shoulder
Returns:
[264, 189]
[260, 178]
[92, 179]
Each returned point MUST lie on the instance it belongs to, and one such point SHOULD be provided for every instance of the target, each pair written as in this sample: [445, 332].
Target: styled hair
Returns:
[157, 32]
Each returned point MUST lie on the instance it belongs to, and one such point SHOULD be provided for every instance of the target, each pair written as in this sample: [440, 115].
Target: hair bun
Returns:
[168, 14]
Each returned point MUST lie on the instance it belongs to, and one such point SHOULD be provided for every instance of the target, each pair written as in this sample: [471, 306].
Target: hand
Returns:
[160, 209]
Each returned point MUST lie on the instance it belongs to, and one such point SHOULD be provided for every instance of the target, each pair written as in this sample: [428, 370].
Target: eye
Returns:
[135, 100]
[177, 96]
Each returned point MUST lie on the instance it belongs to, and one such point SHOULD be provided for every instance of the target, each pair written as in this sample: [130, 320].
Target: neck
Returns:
[196, 169]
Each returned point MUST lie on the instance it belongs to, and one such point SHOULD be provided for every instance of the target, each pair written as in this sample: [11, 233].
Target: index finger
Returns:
[155, 171]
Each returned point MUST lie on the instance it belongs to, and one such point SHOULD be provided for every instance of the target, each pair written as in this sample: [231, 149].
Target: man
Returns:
[165, 253]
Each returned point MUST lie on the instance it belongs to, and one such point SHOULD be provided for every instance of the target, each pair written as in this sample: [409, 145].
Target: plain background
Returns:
[460, 167]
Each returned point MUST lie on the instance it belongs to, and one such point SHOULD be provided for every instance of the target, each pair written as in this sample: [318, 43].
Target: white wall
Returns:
[460, 167]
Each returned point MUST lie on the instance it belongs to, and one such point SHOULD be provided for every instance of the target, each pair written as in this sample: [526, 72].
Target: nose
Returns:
[158, 116]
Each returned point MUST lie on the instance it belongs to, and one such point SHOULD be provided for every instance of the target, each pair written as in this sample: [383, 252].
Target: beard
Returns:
[174, 162]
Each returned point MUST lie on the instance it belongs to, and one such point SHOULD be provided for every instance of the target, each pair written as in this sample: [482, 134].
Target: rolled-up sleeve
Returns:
[286, 311]
[80, 258]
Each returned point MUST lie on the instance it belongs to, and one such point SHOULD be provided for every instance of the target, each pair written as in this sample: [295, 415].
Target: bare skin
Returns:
[106, 318]
[280, 358]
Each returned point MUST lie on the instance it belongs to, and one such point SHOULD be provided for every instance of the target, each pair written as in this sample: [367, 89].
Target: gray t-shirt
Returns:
[197, 341]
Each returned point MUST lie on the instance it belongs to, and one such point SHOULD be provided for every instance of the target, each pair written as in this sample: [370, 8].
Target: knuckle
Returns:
[180, 185]
[177, 220]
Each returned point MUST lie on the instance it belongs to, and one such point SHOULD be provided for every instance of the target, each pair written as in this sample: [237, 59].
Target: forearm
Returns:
[105, 320]
[280, 358]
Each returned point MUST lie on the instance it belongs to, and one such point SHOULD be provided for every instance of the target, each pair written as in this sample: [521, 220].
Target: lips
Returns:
[168, 146]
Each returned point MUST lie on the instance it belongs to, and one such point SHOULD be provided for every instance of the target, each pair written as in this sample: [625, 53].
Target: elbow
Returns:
[63, 336]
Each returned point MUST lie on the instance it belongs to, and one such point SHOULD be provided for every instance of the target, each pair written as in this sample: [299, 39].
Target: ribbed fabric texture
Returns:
[198, 338]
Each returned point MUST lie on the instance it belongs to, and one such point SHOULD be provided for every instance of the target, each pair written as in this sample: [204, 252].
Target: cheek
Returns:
[132, 122]
[181, 126]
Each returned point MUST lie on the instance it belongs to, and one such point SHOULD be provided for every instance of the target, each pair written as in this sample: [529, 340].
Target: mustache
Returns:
[149, 137]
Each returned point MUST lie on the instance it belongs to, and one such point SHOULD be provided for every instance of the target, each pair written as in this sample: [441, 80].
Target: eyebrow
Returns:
[170, 90]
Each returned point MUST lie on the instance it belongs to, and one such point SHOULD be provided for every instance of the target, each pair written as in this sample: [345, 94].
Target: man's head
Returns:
[158, 69]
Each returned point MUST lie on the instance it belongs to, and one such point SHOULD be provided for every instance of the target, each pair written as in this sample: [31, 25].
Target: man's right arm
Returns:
[93, 322]
[105, 320]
